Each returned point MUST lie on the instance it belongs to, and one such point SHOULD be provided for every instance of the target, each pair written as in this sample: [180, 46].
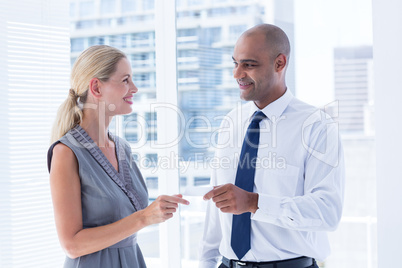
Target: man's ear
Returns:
[280, 62]
[94, 87]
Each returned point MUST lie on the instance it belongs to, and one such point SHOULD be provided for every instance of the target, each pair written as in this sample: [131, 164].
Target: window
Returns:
[210, 36]
[128, 6]
[148, 4]
[216, 12]
[104, 23]
[348, 77]
[119, 41]
[130, 128]
[183, 181]
[85, 24]
[98, 40]
[186, 32]
[198, 181]
[87, 8]
[205, 91]
[152, 160]
[141, 39]
[152, 182]
[142, 80]
[346, 72]
[73, 11]
[138, 128]
[77, 44]
[194, 2]
[140, 60]
[235, 31]
[108, 6]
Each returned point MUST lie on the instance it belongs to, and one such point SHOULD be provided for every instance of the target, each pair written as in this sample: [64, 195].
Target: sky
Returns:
[321, 25]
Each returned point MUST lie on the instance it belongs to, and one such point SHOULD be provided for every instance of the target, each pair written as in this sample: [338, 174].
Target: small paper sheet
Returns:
[197, 190]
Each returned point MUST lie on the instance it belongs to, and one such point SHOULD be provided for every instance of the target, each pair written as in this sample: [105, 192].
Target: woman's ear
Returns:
[94, 87]
[280, 62]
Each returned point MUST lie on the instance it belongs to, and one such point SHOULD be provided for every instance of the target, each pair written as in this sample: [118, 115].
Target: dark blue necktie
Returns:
[241, 225]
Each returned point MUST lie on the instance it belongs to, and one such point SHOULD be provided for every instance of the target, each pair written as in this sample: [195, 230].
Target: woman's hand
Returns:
[162, 209]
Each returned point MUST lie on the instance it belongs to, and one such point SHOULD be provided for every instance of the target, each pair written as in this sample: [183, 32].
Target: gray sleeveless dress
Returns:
[107, 196]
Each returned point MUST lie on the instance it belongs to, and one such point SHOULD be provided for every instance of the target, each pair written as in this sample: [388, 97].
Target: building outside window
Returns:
[206, 91]
[86, 8]
[206, 34]
[107, 6]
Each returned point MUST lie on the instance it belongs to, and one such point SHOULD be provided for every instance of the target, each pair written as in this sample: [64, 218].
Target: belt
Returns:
[300, 262]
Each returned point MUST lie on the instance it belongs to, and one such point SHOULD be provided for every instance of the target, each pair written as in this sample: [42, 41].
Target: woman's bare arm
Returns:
[66, 195]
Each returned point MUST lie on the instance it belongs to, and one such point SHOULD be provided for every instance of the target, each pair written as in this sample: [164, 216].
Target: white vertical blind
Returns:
[387, 43]
[34, 67]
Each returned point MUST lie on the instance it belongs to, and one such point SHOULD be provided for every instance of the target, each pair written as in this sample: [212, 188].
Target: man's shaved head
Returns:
[261, 58]
[276, 39]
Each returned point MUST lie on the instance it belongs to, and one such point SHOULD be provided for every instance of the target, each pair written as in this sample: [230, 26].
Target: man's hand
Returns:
[231, 199]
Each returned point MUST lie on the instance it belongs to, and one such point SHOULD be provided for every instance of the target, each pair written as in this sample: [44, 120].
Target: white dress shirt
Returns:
[299, 179]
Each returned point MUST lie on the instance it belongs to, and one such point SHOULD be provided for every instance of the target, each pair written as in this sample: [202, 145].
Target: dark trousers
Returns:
[312, 266]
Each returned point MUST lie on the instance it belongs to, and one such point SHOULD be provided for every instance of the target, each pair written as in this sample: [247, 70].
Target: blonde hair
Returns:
[95, 62]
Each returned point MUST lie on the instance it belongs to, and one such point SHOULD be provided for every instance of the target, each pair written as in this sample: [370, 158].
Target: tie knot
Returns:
[258, 116]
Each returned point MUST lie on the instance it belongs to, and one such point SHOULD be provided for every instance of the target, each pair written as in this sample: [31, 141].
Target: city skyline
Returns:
[206, 34]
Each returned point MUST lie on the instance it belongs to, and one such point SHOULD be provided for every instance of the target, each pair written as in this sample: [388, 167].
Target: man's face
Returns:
[254, 69]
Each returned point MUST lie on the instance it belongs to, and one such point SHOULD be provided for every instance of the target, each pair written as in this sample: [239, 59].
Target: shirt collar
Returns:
[275, 108]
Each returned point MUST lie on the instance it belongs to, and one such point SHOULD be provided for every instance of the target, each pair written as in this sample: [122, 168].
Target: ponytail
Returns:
[68, 116]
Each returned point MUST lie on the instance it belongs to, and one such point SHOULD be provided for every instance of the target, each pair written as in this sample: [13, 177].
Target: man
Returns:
[278, 185]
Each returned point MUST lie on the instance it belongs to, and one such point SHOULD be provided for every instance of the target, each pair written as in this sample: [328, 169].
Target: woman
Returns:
[99, 196]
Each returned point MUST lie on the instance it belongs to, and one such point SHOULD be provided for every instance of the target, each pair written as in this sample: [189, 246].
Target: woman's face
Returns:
[117, 92]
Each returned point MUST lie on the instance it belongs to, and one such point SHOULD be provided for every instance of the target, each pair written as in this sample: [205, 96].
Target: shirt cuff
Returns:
[269, 208]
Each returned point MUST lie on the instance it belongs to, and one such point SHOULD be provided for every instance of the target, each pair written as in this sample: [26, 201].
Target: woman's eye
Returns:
[125, 80]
